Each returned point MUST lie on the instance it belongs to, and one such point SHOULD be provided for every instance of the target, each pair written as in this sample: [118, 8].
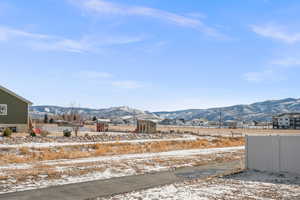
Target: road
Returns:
[100, 188]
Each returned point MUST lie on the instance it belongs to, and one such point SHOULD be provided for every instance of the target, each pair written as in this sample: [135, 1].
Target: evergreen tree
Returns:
[46, 119]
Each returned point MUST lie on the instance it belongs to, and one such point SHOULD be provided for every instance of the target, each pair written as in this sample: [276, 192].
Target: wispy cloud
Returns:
[68, 45]
[89, 74]
[287, 62]
[107, 79]
[128, 84]
[104, 7]
[265, 75]
[58, 43]
[277, 32]
[7, 33]
[43, 41]
[276, 70]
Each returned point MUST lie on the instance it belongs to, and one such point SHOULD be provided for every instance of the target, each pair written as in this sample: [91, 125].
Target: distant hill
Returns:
[260, 111]
[114, 112]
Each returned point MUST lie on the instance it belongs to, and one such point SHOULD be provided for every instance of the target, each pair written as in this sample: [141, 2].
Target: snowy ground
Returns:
[58, 144]
[247, 185]
[170, 154]
[91, 138]
[40, 174]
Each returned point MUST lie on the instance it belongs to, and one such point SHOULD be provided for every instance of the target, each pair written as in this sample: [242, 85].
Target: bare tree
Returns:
[73, 117]
[220, 119]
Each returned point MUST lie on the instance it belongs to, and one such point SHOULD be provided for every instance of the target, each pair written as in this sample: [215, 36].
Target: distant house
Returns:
[231, 124]
[13, 111]
[168, 122]
[286, 121]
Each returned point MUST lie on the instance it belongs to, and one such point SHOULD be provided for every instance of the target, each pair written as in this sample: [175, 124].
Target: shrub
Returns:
[45, 133]
[32, 134]
[24, 150]
[67, 133]
[7, 132]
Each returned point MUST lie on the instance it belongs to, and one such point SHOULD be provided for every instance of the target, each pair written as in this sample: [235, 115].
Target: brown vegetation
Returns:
[101, 149]
[206, 131]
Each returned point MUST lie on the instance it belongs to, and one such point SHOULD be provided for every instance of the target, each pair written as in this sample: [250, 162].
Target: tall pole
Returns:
[220, 119]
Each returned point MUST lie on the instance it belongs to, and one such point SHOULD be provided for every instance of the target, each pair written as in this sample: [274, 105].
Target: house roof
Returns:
[289, 114]
[15, 95]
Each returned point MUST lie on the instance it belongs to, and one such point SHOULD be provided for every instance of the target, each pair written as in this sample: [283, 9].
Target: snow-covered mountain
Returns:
[260, 111]
[114, 112]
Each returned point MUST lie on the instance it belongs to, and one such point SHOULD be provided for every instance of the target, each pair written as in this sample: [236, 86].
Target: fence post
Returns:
[246, 151]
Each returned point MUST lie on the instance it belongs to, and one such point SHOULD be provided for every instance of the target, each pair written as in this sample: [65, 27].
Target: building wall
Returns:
[273, 153]
[17, 110]
[284, 121]
[19, 127]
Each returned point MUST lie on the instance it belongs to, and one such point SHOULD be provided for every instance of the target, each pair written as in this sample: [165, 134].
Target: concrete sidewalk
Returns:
[100, 188]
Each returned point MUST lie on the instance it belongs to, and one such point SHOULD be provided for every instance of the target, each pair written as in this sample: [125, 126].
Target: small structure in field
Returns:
[145, 126]
[102, 125]
[13, 111]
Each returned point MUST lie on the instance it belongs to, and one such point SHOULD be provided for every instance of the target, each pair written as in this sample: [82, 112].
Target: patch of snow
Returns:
[16, 166]
[246, 185]
[57, 144]
[177, 153]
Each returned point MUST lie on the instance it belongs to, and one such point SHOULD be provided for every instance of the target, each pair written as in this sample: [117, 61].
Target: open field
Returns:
[91, 139]
[209, 131]
[90, 130]
[28, 163]
[39, 162]
[31, 152]
[18, 177]
[250, 185]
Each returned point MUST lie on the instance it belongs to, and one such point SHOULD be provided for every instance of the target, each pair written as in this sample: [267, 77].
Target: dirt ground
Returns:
[208, 131]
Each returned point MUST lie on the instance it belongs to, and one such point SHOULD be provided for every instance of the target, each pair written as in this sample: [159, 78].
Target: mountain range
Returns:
[259, 111]
[123, 112]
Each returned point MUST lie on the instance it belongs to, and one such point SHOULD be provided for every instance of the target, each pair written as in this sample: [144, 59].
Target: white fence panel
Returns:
[273, 153]
[290, 153]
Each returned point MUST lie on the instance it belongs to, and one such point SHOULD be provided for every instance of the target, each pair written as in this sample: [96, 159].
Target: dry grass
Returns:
[84, 151]
[206, 131]
[23, 175]
[48, 154]
[24, 150]
[153, 147]
[41, 172]
[34, 174]
[5, 177]
[9, 158]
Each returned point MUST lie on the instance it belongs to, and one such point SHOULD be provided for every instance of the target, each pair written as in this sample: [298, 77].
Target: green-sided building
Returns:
[13, 110]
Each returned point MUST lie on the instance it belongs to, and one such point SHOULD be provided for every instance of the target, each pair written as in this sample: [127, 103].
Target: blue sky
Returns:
[153, 55]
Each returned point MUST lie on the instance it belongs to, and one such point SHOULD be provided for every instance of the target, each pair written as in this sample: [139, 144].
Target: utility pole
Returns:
[220, 119]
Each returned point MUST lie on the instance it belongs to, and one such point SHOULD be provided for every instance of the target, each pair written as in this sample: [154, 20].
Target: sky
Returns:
[150, 54]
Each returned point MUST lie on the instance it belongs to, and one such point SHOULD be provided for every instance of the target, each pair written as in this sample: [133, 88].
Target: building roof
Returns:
[15, 95]
[289, 114]
[103, 120]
